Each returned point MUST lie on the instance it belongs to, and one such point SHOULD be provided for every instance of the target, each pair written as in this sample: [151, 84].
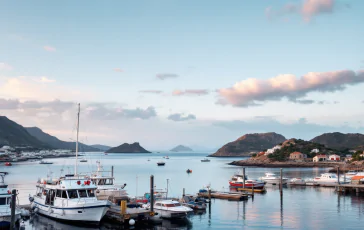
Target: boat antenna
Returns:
[78, 129]
[167, 188]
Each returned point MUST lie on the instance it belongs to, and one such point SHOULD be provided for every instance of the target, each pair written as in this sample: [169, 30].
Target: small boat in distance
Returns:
[205, 160]
[161, 163]
[189, 171]
[272, 178]
[167, 157]
[45, 162]
[83, 160]
[8, 164]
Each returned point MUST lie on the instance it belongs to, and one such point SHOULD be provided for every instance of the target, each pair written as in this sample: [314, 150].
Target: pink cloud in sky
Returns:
[190, 92]
[5, 66]
[253, 91]
[49, 48]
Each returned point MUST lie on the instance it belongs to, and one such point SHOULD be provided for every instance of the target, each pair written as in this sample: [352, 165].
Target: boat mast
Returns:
[78, 129]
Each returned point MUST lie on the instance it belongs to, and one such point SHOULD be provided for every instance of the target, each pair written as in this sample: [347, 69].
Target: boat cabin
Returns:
[167, 204]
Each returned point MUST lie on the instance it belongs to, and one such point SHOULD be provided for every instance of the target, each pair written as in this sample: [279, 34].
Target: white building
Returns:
[272, 150]
[315, 151]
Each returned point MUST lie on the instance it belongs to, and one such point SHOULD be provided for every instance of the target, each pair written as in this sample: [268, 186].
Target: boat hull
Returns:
[275, 181]
[90, 214]
[247, 185]
[6, 219]
[167, 214]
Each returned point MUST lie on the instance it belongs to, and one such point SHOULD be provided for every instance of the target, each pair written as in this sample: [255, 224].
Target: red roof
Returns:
[295, 153]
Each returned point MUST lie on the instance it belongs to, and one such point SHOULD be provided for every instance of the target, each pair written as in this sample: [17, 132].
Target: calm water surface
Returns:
[299, 208]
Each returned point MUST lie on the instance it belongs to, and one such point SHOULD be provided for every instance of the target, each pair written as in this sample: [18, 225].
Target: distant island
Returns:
[101, 147]
[128, 148]
[249, 144]
[181, 148]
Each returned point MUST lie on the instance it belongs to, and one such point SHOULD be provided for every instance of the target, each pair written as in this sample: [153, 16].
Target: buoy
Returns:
[131, 222]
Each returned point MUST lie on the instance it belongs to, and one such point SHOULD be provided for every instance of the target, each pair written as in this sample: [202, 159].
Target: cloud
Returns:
[249, 92]
[163, 76]
[181, 117]
[302, 102]
[118, 70]
[151, 91]
[49, 48]
[190, 92]
[308, 9]
[9, 104]
[103, 112]
[4, 66]
[45, 80]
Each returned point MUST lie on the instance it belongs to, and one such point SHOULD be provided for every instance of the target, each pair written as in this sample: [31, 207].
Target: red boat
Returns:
[8, 164]
[238, 181]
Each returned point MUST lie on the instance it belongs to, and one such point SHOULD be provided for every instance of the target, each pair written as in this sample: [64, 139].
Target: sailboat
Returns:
[71, 197]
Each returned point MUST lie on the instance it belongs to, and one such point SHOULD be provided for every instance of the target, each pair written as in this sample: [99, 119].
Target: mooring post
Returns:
[281, 182]
[183, 193]
[253, 191]
[338, 175]
[151, 193]
[210, 194]
[13, 204]
[112, 171]
[243, 177]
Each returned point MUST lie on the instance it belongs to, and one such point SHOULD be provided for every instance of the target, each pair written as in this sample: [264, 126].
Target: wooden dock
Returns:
[224, 195]
[116, 214]
[348, 188]
[252, 190]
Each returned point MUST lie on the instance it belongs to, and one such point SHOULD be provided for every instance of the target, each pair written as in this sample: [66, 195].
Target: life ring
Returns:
[44, 193]
[151, 214]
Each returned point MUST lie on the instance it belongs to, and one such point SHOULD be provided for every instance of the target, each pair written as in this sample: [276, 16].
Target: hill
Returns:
[249, 143]
[128, 148]
[181, 148]
[298, 145]
[340, 141]
[14, 134]
[54, 142]
[101, 147]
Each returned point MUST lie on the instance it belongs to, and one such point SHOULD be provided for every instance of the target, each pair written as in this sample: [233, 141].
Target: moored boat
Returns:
[8, 164]
[171, 209]
[271, 178]
[161, 163]
[329, 179]
[5, 206]
[238, 181]
[205, 160]
[297, 181]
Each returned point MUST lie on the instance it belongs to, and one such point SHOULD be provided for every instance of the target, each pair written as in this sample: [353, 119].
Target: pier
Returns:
[350, 188]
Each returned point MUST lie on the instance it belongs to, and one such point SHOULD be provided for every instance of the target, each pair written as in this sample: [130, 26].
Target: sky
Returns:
[198, 73]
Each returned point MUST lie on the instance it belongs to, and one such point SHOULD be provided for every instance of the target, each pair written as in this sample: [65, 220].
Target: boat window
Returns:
[102, 181]
[157, 204]
[177, 205]
[2, 200]
[109, 182]
[82, 193]
[91, 193]
[168, 205]
[59, 193]
[64, 194]
[72, 194]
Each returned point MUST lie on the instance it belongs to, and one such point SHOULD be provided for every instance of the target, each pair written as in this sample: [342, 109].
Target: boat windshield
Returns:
[108, 181]
[82, 193]
[91, 193]
[72, 194]
[172, 205]
[3, 201]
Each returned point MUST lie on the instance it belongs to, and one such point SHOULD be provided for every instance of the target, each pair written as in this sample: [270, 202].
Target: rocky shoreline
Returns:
[278, 164]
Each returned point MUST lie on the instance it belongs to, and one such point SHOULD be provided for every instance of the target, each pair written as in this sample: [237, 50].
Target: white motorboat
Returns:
[297, 181]
[69, 198]
[171, 209]
[271, 178]
[83, 160]
[5, 200]
[106, 186]
[329, 179]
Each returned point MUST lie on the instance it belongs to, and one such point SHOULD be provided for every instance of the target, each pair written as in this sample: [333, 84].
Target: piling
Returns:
[281, 182]
[152, 193]
[13, 205]
[210, 194]
[123, 207]
[252, 191]
[112, 171]
[183, 193]
[243, 177]
[338, 175]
